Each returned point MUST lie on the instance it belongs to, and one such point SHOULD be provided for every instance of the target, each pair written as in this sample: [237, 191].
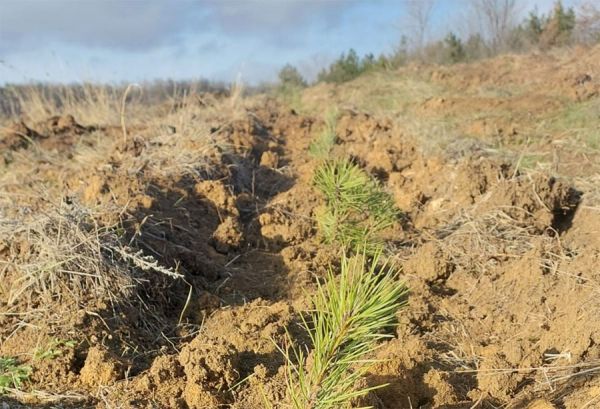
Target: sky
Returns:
[141, 40]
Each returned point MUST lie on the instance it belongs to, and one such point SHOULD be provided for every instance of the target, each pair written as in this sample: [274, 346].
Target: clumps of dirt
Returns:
[585, 87]
[236, 344]
[217, 193]
[540, 202]
[282, 225]
[413, 380]
[247, 136]
[430, 262]
[56, 133]
[101, 368]
[355, 127]
[163, 385]
[469, 298]
[377, 145]
[18, 136]
[269, 159]
[573, 73]
[484, 216]
[198, 377]
[252, 327]
[56, 370]
[228, 236]
[482, 236]
[209, 367]
[62, 126]
[475, 177]
[433, 191]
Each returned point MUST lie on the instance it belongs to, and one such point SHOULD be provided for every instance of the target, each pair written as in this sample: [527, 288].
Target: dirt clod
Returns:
[101, 368]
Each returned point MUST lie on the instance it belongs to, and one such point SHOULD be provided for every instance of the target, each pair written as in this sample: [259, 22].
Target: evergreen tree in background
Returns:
[455, 48]
[289, 76]
[560, 27]
[534, 26]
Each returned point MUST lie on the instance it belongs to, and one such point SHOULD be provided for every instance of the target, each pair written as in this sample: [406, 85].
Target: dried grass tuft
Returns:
[479, 242]
[60, 251]
[62, 255]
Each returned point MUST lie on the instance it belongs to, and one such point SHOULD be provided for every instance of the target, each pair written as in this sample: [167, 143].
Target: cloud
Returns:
[126, 25]
[209, 46]
[275, 17]
[145, 25]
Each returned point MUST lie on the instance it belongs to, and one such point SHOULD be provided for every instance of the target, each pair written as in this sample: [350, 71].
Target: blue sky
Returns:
[137, 40]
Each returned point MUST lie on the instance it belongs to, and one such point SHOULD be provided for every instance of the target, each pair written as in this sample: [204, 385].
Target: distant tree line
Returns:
[499, 33]
[154, 92]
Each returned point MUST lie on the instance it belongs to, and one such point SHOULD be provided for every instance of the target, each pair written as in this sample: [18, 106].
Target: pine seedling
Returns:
[321, 146]
[357, 208]
[348, 233]
[12, 374]
[344, 184]
[351, 315]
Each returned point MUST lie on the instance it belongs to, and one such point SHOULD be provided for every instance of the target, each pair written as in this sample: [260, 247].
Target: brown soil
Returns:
[502, 264]
[574, 75]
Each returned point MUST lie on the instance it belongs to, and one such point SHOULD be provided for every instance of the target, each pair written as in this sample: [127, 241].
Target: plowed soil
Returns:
[160, 269]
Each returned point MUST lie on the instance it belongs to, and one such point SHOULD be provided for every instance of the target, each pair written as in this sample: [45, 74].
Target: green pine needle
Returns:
[321, 146]
[348, 233]
[351, 314]
[356, 310]
[357, 207]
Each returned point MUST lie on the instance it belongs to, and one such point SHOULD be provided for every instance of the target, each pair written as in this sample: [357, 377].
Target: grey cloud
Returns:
[272, 15]
[128, 25]
[209, 46]
[280, 23]
[136, 25]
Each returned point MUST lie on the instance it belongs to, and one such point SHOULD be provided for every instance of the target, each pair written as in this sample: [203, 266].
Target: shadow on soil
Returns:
[208, 231]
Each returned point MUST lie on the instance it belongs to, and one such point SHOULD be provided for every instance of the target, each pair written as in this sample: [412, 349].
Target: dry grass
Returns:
[379, 93]
[60, 261]
[178, 142]
[478, 242]
[60, 251]
[56, 250]
[94, 105]
[591, 186]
